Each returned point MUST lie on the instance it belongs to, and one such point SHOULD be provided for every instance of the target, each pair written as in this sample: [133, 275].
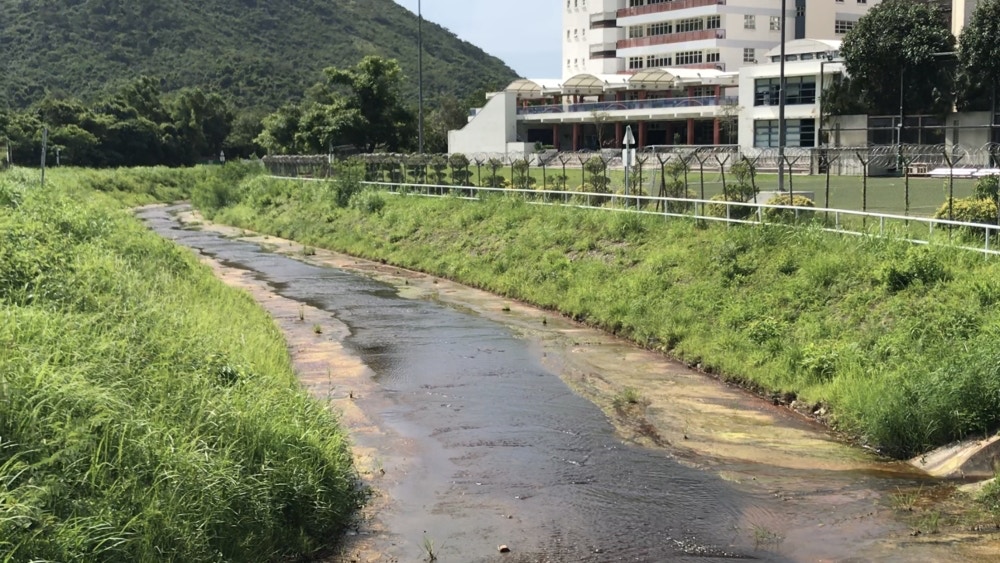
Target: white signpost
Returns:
[628, 157]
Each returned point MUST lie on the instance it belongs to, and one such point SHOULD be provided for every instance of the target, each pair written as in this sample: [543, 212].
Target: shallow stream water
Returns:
[499, 450]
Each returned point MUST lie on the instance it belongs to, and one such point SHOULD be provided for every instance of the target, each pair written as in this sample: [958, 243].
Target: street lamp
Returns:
[822, 80]
[420, 78]
[781, 106]
[222, 157]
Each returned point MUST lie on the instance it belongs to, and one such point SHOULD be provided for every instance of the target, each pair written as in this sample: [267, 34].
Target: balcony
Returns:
[682, 37]
[667, 7]
[659, 103]
[601, 49]
[604, 20]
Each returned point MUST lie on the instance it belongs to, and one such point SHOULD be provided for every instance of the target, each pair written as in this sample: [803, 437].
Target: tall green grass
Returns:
[897, 341]
[147, 412]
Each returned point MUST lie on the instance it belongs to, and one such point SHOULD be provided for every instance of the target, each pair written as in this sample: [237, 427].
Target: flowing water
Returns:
[495, 448]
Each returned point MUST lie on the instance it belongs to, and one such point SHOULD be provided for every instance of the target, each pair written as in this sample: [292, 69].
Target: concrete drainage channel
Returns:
[489, 434]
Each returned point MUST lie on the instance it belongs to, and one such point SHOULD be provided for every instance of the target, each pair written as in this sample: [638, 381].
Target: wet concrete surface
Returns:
[492, 430]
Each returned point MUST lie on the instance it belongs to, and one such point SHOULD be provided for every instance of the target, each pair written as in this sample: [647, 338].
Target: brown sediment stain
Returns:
[703, 421]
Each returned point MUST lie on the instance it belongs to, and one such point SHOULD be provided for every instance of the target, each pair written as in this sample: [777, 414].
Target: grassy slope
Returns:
[147, 412]
[897, 340]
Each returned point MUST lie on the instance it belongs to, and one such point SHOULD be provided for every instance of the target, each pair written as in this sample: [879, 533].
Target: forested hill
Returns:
[260, 53]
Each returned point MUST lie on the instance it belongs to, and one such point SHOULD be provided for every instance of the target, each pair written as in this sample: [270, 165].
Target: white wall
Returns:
[491, 130]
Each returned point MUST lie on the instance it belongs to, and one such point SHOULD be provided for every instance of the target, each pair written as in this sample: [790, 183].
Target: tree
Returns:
[894, 45]
[280, 128]
[202, 122]
[372, 89]
[448, 113]
[979, 57]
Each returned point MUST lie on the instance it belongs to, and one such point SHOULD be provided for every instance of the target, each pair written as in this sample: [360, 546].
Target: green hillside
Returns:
[261, 53]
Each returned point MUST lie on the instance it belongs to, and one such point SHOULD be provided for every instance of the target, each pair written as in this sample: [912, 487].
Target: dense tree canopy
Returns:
[360, 106]
[979, 54]
[900, 43]
[134, 126]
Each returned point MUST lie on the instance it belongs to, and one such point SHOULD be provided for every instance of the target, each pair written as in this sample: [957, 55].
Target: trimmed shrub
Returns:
[789, 215]
[735, 211]
[969, 210]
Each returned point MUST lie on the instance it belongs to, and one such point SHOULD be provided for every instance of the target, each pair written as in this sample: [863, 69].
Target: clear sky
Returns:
[525, 34]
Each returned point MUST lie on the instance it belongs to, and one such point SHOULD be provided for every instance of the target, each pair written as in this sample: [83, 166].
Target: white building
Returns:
[668, 68]
[619, 36]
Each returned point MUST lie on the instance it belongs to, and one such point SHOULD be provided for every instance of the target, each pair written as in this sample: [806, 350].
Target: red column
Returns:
[555, 137]
[718, 93]
[716, 132]
[690, 139]
[618, 96]
[642, 94]
[690, 91]
[670, 133]
[642, 133]
[576, 137]
[619, 133]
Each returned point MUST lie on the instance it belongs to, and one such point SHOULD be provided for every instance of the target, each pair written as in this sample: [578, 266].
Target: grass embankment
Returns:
[147, 412]
[897, 341]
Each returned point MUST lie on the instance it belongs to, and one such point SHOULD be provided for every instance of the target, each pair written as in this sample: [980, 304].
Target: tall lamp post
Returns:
[821, 92]
[781, 106]
[420, 78]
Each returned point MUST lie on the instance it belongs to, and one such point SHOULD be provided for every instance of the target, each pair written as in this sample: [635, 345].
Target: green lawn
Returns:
[885, 195]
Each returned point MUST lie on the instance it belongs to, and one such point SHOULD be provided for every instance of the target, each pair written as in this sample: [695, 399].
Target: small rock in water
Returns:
[503, 549]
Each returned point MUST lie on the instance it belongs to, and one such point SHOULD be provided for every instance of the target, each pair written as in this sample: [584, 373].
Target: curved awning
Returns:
[593, 84]
[653, 79]
[533, 88]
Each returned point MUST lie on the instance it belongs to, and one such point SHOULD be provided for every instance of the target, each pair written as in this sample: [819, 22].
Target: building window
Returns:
[634, 63]
[840, 27]
[862, 1]
[799, 90]
[635, 32]
[775, 23]
[798, 133]
[659, 29]
[749, 55]
[688, 57]
[713, 22]
[712, 57]
[690, 24]
[658, 61]
[749, 21]
[800, 11]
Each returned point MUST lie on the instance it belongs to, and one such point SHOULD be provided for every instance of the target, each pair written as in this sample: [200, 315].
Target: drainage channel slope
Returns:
[481, 427]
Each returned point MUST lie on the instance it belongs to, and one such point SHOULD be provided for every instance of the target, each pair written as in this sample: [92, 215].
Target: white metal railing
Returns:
[840, 221]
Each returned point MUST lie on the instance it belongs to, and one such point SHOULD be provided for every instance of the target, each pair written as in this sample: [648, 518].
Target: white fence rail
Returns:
[907, 228]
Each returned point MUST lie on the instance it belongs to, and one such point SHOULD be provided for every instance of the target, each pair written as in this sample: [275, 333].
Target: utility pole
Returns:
[45, 142]
[781, 106]
[420, 78]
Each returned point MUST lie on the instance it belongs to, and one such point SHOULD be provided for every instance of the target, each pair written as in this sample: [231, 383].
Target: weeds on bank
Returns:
[145, 408]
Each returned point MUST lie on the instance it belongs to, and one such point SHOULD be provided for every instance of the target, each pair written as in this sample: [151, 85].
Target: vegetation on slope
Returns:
[258, 54]
[147, 412]
[896, 341]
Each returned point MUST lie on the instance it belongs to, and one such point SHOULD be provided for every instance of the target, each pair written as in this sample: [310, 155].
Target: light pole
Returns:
[821, 91]
[781, 107]
[820, 142]
[420, 78]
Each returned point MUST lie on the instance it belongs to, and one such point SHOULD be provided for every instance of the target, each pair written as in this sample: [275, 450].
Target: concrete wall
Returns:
[491, 130]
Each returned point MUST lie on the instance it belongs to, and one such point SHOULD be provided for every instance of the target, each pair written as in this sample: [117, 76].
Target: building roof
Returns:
[585, 84]
[648, 79]
[799, 46]
[534, 87]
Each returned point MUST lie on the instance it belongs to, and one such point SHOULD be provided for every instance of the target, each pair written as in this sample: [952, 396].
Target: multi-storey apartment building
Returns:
[668, 68]
[625, 36]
